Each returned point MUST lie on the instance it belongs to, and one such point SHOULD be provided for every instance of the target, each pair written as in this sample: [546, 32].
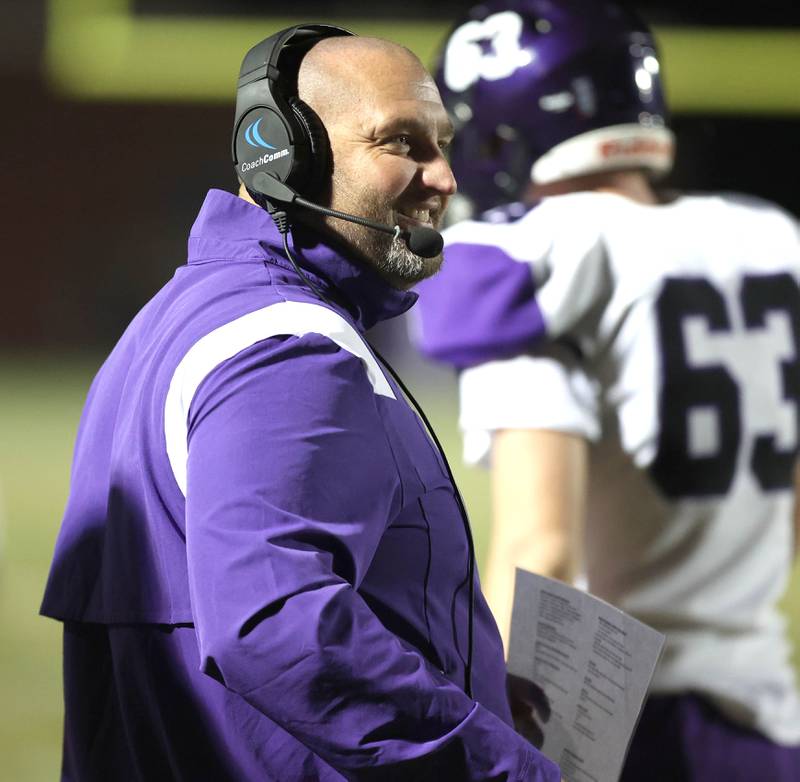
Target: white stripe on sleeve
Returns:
[285, 318]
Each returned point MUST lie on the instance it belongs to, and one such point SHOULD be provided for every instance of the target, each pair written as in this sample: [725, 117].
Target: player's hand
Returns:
[529, 708]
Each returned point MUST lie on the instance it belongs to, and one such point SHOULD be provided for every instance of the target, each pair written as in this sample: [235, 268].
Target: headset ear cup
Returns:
[316, 168]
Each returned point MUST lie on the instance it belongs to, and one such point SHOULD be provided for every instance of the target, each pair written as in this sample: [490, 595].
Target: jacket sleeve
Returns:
[290, 484]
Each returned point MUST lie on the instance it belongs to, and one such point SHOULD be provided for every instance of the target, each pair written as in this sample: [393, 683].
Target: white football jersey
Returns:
[668, 336]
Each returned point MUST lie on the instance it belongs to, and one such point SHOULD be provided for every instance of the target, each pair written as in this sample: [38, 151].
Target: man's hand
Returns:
[528, 701]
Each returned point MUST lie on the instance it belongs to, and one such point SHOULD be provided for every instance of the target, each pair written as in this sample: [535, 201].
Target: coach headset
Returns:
[280, 147]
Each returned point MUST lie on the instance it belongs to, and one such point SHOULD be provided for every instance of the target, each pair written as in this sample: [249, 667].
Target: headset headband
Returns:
[274, 132]
[261, 61]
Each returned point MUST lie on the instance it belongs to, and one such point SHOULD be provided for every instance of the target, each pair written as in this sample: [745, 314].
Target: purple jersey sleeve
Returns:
[291, 483]
[480, 306]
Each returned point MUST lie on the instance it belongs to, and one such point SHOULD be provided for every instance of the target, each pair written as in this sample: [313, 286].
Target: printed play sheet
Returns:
[593, 662]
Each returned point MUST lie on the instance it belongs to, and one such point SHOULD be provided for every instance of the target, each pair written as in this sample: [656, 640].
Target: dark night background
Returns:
[98, 197]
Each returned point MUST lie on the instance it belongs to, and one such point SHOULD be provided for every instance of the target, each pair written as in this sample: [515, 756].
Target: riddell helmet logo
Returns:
[253, 137]
[634, 146]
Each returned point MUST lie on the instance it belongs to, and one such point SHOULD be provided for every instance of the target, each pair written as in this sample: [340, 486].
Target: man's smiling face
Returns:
[388, 130]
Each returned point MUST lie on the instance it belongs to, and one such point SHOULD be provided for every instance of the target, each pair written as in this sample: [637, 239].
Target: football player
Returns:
[630, 368]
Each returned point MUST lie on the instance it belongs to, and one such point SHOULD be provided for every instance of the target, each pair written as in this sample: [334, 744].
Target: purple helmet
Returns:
[543, 90]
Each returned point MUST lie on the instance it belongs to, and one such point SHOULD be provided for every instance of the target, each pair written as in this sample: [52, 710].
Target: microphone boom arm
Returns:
[421, 240]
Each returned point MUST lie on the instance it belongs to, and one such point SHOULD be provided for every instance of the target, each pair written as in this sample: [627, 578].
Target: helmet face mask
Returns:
[522, 77]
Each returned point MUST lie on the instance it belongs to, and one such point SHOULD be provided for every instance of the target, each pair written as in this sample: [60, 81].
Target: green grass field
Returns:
[40, 402]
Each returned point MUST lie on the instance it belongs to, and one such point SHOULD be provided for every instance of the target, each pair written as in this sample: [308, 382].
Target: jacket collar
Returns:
[228, 228]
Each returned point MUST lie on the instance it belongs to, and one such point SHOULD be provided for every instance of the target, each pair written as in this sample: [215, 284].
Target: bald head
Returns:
[342, 73]
[387, 130]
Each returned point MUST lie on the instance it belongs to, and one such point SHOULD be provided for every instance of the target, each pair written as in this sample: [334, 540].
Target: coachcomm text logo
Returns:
[253, 137]
[263, 160]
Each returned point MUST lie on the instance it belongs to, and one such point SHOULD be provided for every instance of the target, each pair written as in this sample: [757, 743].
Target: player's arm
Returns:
[530, 420]
[538, 480]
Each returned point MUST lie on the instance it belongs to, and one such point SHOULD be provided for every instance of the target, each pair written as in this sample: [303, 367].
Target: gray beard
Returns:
[400, 263]
[390, 256]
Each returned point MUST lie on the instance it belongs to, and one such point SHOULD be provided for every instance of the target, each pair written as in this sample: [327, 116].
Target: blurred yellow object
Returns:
[100, 50]
[731, 70]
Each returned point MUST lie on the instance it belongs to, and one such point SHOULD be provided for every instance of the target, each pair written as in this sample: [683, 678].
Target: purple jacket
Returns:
[245, 467]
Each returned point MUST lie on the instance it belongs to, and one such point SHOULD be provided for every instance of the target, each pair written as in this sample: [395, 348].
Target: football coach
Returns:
[264, 570]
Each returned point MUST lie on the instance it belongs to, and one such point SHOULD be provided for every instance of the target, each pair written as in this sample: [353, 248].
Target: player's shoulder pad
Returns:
[759, 204]
[736, 198]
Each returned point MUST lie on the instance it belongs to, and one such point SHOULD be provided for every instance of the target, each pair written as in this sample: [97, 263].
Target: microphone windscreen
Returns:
[424, 241]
